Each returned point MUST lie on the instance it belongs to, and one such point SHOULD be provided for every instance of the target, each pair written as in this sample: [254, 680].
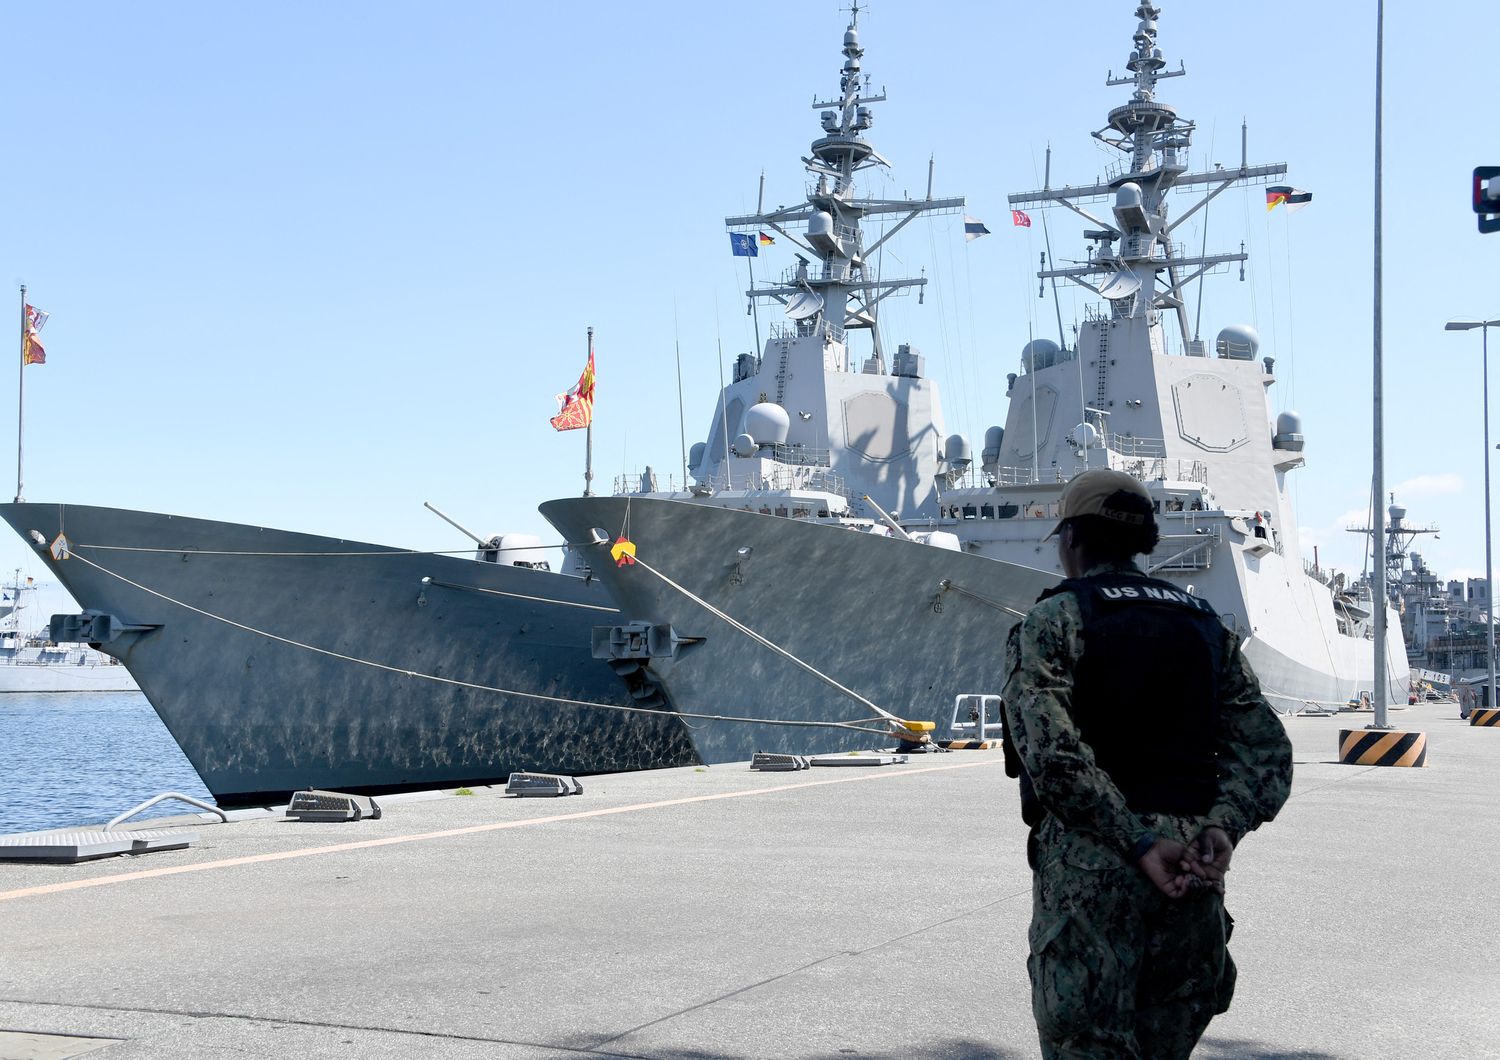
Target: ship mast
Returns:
[1134, 263]
[843, 292]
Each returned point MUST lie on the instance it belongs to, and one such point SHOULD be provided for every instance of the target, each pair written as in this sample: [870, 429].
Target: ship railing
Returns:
[1185, 552]
[1155, 448]
[782, 330]
[779, 480]
[1025, 476]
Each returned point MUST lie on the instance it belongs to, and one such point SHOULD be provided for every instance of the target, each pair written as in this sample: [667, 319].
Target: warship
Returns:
[280, 661]
[32, 662]
[917, 629]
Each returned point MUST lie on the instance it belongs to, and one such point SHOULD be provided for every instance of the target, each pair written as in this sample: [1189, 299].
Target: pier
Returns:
[724, 913]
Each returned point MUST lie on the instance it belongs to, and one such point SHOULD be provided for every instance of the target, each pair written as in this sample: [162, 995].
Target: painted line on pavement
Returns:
[365, 844]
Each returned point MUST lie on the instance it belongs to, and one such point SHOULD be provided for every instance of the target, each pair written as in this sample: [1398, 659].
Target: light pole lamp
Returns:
[1489, 571]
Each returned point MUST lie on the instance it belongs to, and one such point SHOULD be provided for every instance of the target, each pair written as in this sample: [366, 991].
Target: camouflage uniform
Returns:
[1117, 968]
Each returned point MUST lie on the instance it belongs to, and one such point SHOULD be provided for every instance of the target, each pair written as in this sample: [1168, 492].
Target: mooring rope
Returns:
[314, 555]
[857, 726]
[763, 641]
[945, 586]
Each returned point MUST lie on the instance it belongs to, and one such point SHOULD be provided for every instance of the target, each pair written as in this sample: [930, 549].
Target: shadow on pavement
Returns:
[1240, 1049]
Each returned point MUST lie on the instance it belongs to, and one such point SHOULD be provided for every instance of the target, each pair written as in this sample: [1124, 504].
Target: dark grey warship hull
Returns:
[907, 626]
[281, 661]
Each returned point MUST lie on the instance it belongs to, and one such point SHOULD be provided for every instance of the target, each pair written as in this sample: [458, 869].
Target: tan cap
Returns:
[1090, 493]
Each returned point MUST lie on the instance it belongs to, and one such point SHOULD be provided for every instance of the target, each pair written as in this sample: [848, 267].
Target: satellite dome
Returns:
[1238, 342]
[1039, 353]
[695, 455]
[1398, 513]
[956, 450]
[768, 424]
[1289, 423]
[1128, 196]
[851, 37]
[744, 445]
[1084, 436]
[994, 438]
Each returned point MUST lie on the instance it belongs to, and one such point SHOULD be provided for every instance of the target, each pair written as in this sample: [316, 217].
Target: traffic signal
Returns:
[1487, 197]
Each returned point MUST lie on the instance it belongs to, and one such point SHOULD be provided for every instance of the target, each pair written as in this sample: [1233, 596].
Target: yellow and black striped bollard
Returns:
[1382, 747]
[1488, 716]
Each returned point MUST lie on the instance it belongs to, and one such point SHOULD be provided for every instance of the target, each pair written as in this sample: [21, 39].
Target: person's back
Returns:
[1145, 752]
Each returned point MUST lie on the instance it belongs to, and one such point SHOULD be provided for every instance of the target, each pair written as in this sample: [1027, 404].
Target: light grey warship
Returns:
[31, 661]
[917, 629]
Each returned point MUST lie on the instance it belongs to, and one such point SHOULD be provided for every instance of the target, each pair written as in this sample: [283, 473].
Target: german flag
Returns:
[1294, 198]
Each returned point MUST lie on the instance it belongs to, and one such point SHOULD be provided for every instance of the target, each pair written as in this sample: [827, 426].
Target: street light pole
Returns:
[1489, 568]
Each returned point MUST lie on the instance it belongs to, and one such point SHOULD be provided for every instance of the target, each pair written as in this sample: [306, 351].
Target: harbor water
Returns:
[82, 758]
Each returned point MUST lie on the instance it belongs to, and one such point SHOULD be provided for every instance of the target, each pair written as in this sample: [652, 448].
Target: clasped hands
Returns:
[1177, 868]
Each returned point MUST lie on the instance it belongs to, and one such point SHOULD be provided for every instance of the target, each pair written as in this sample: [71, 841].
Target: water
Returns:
[82, 758]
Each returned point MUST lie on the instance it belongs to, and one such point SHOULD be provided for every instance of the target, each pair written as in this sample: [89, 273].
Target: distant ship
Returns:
[916, 629]
[30, 661]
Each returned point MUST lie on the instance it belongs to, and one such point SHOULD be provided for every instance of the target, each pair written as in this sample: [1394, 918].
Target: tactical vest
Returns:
[1145, 692]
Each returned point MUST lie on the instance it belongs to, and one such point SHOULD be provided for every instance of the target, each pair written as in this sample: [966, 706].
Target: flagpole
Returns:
[750, 264]
[588, 457]
[21, 397]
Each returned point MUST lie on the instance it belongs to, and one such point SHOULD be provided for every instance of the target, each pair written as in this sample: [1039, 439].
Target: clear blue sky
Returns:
[311, 265]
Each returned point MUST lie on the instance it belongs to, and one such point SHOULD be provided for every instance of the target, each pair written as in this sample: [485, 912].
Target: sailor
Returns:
[1145, 752]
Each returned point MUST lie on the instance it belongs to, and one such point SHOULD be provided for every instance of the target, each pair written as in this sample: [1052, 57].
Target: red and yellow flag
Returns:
[31, 343]
[576, 407]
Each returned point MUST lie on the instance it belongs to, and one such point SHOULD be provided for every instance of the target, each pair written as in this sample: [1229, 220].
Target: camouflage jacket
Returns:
[1255, 755]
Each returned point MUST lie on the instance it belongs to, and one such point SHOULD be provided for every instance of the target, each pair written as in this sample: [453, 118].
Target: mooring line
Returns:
[857, 725]
[765, 642]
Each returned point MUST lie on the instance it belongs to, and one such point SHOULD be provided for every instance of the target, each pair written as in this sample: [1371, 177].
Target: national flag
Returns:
[1020, 219]
[576, 407]
[766, 240]
[36, 319]
[623, 551]
[742, 245]
[973, 229]
[1295, 198]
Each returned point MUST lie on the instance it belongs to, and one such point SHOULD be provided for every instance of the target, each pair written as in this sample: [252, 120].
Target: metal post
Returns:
[588, 450]
[21, 398]
[1489, 568]
[1379, 601]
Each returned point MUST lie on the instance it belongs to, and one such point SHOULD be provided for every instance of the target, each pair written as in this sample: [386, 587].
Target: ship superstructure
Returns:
[1137, 390]
[811, 417]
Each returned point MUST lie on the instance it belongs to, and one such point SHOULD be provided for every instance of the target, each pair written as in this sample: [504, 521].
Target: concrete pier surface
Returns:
[719, 913]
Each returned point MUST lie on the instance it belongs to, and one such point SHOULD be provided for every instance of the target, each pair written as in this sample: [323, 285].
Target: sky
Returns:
[309, 266]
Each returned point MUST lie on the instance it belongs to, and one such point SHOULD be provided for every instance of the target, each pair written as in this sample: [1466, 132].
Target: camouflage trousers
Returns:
[1118, 969]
